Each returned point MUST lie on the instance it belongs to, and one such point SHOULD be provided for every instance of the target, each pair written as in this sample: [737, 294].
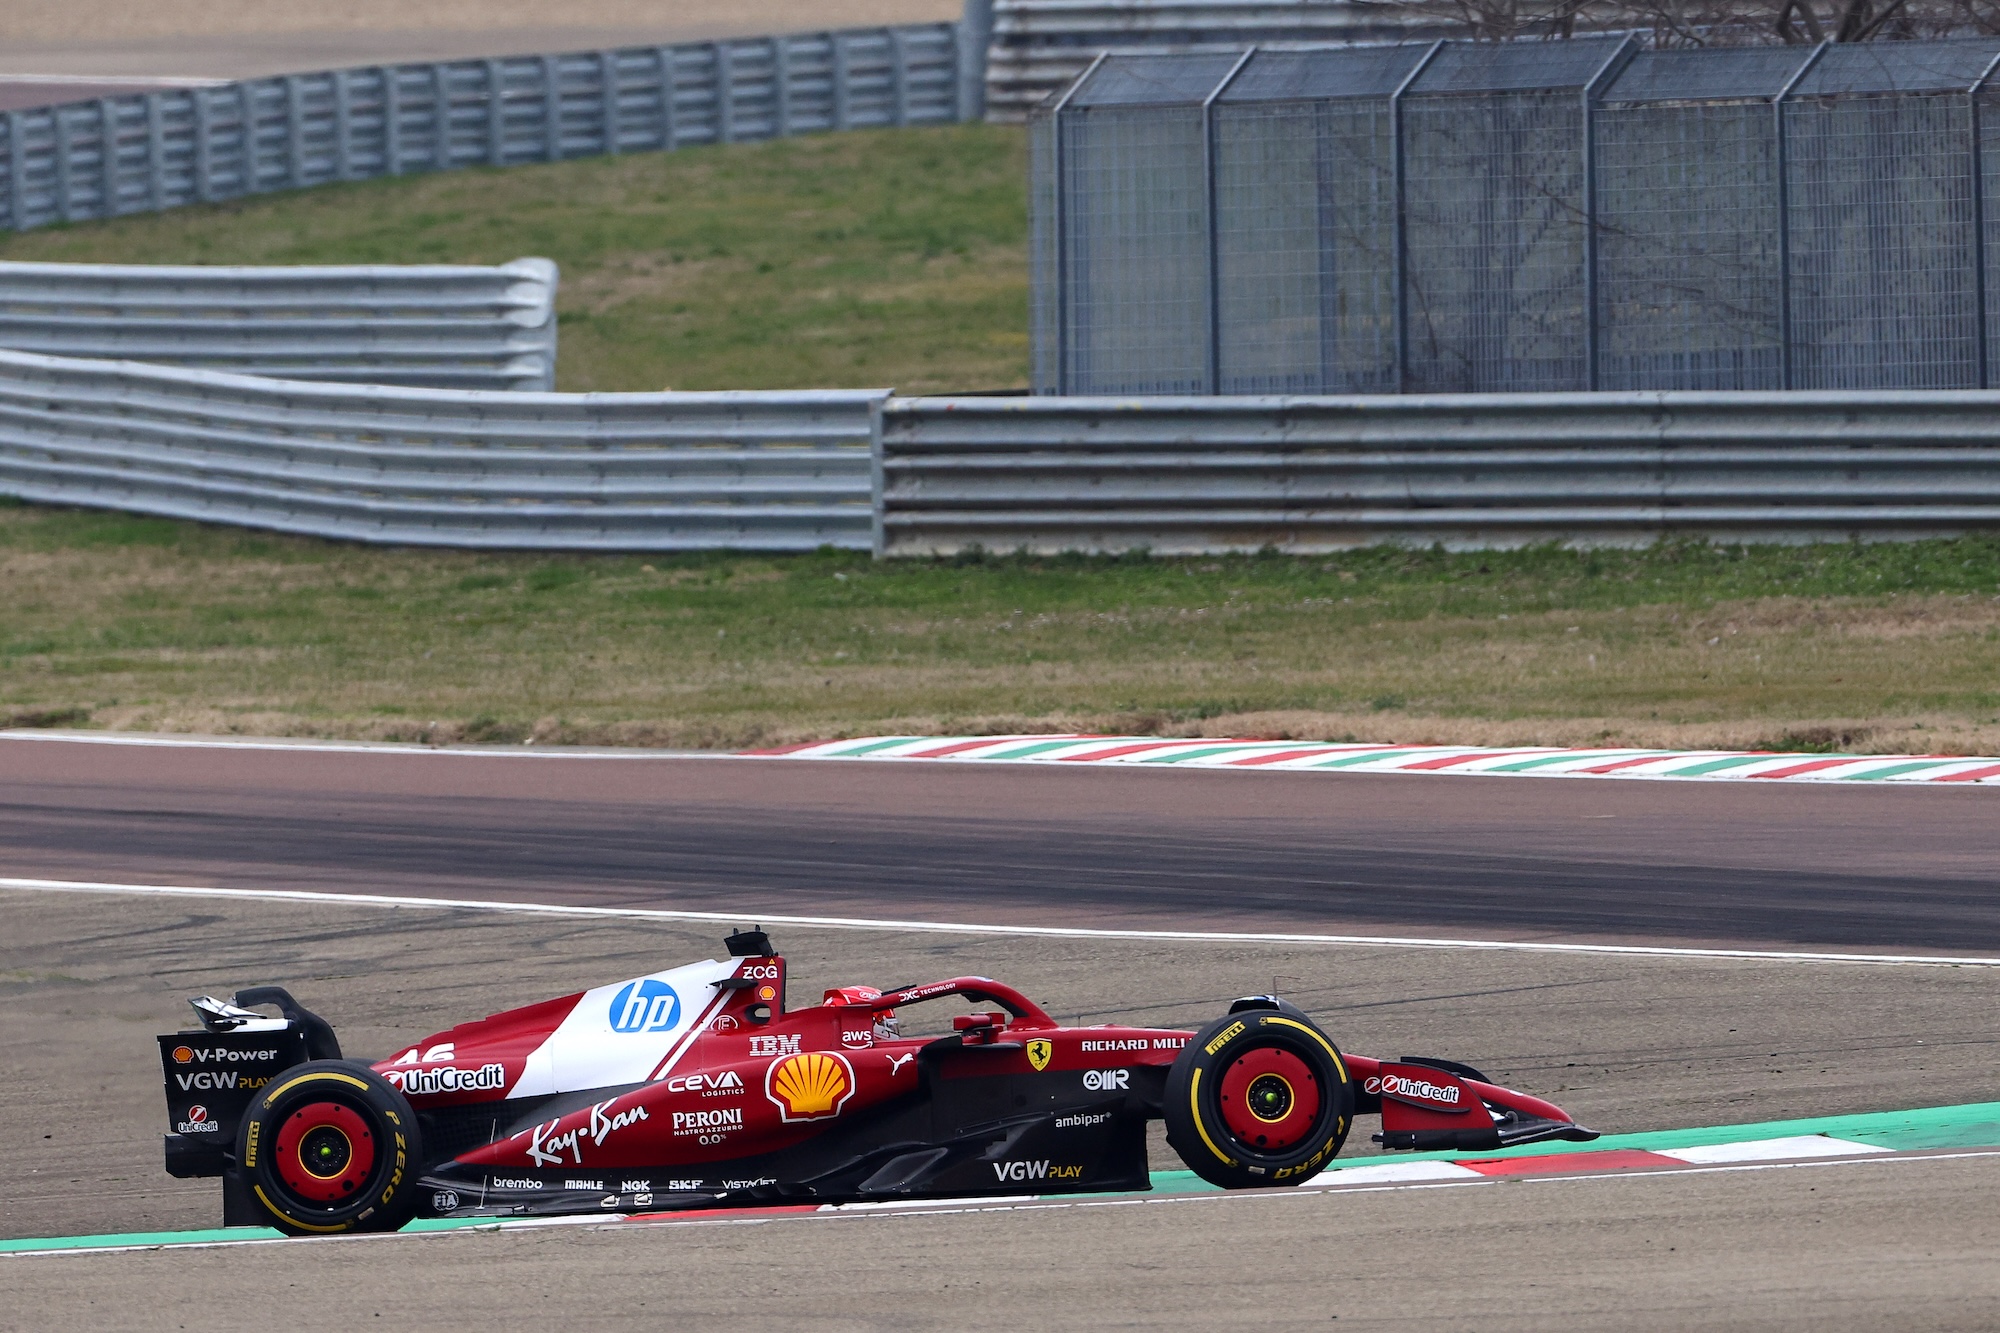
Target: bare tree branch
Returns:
[1672, 23]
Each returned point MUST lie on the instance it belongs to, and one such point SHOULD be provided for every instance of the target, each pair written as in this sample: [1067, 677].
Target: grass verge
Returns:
[114, 621]
[891, 258]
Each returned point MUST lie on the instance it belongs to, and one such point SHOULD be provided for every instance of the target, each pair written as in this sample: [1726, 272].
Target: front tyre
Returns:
[1259, 1098]
[330, 1147]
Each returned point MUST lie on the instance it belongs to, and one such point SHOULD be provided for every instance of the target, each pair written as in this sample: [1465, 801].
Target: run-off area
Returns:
[1627, 1044]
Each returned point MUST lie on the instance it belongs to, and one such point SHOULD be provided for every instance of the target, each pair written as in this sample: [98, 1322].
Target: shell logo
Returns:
[812, 1085]
[183, 1055]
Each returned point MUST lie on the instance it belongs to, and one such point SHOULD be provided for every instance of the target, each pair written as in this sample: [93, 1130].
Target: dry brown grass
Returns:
[160, 626]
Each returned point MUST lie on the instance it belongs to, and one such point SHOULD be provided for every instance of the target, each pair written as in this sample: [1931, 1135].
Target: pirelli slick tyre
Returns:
[330, 1147]
[1259, 1098]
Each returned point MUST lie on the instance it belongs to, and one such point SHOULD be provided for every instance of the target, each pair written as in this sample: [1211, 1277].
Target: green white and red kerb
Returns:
[1326, 756]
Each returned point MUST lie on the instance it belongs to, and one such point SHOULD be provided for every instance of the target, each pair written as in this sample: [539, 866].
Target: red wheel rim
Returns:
[325, 1152]
[1270, 1099]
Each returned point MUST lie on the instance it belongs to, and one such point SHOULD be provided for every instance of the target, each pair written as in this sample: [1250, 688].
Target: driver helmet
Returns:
[886, 1027]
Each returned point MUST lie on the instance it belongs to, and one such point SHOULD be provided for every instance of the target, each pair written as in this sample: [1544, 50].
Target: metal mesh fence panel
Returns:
[1884, 278]
[1524, 217]
[1305, 241]
[1689, 284]
[1494, 219]
[1135, 250]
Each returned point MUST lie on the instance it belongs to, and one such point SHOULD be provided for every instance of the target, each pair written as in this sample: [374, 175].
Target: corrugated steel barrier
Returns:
[1179, 475]
[156, 150]
[788, 471]
[440, 467]
[431, 326]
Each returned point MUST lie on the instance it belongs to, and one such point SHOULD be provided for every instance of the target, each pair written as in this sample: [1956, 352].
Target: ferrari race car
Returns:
[698, 1087]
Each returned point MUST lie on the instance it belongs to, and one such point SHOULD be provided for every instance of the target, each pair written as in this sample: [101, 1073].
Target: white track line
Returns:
[950, 1208]
[975, 928]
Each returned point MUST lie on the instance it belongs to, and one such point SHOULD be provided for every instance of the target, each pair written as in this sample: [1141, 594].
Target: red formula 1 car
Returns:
[698, 1087]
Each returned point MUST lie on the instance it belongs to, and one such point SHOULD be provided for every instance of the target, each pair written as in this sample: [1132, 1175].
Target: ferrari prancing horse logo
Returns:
[1039, 1051]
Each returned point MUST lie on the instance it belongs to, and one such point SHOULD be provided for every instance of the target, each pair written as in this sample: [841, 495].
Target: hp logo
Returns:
[645, 1006]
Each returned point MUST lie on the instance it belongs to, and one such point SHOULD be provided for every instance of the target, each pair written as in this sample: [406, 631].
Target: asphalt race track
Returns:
[1627, 1043]
[1868, 869]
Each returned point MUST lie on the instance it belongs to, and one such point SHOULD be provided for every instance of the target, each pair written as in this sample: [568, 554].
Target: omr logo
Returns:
[645, 1006]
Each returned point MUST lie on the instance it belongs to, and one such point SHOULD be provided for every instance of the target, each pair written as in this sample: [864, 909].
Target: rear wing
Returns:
[212, 1072]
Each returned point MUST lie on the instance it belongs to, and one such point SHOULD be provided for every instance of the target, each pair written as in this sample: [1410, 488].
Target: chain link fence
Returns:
[1522, 217]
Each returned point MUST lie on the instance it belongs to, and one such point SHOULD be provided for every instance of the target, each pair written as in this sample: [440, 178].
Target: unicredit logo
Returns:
[1422, 1089]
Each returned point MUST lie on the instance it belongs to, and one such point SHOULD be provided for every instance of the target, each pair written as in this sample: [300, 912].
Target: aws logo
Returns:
[810, 1086]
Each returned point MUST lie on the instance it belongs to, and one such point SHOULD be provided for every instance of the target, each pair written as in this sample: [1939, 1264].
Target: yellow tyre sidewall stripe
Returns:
[1194, 1083]
[1194, 1104]
[318, 1076]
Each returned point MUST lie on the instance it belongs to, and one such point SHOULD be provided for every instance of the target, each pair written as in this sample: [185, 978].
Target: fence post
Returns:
[392, 121]
[246, 118]
[1400, 259]
[17, 173]
[878, 530]
[59, 127]
[343, 124]
[1061, 196]
[668, 80]
[551, 110]
[203, 156]
[295, 134]
[975, 35]
[607, 72]
[781, 87]
[156, 153]
[441, 117]
[1212, 363]
[899, 77]
[1979, 279]
[496, 116]
[107, 158]
[840, 54]
[725, 93]
[1785, 217]
[1611, 63]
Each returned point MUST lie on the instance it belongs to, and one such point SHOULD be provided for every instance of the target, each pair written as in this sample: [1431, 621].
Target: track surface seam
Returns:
[978, 928]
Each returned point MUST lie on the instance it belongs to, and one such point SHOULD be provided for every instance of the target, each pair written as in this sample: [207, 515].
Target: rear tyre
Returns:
[1259, 1098]
[330, 1147]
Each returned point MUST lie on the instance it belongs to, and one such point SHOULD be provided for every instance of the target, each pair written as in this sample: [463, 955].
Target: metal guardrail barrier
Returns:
[142, 153]
[1184, 475]
[431, 326]
[789, 471]
[440, 467]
